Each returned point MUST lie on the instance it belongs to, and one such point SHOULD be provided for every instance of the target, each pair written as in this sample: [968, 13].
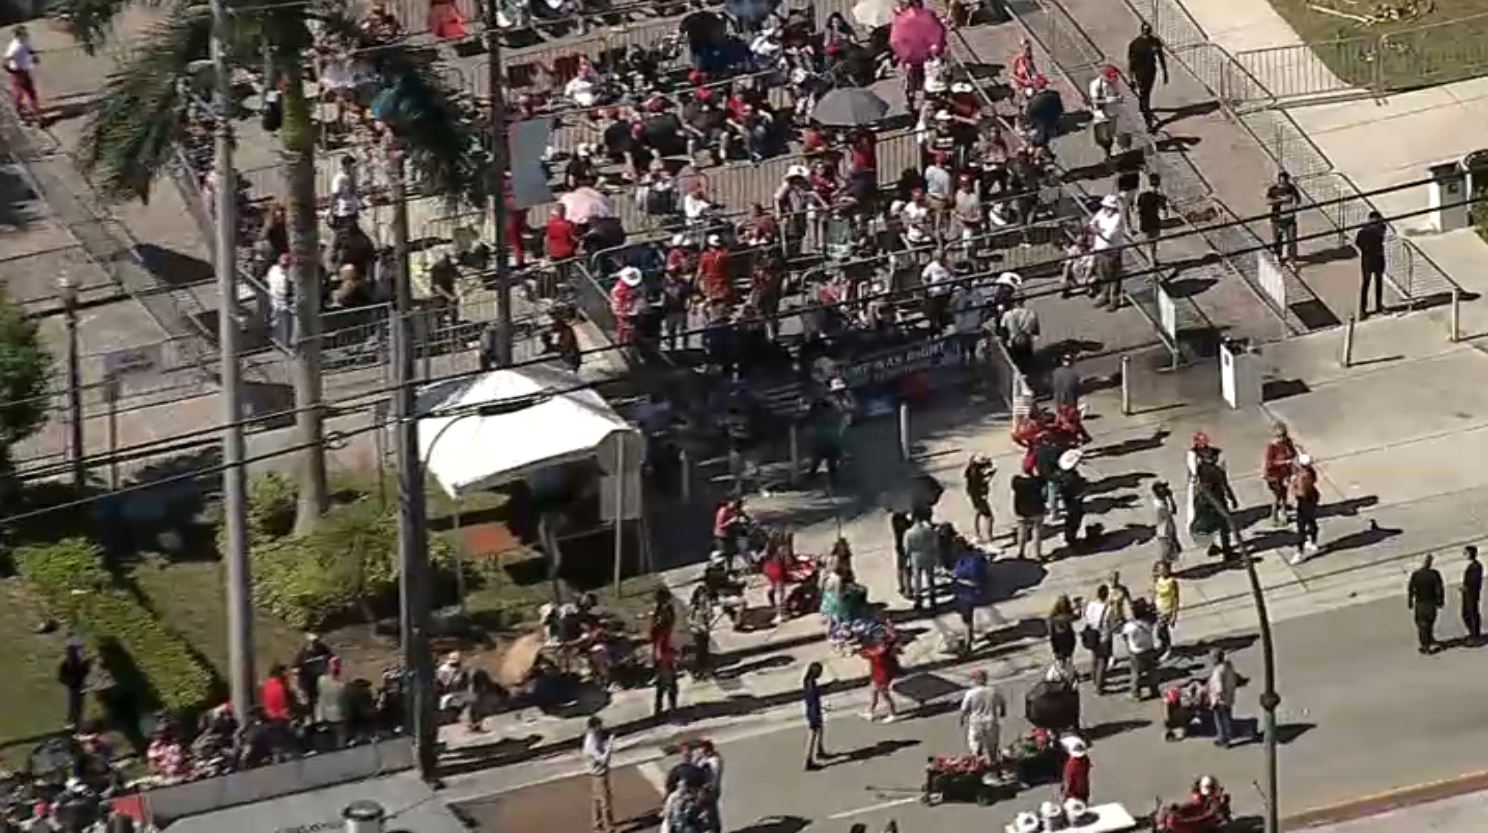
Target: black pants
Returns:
[1307, 525]
[1284, 239]
[1472, 617]
[1145, 81]
[702, 659]
[1074, 514]
[1371, 273]
[1425, 626]
[74, 706]
[666, 691]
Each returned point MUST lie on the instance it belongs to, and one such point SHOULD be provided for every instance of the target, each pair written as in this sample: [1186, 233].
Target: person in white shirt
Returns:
[982, 710]
[711, 763]
[937, 279]
[1104, 96]
[939, 186]
[346, 200]
[1097, 636]
[281, 300]
[598, 746]
[1140, 636]
[20, 64]
[1108, 236]
[915, 215]
[936, 71]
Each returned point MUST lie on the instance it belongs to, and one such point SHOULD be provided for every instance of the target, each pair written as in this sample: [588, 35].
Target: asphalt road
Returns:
[1361, 713]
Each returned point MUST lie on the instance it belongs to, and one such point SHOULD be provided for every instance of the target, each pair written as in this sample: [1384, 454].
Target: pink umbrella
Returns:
[914, 32]
[585, 204]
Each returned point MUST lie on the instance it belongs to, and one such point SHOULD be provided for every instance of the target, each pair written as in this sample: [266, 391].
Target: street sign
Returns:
[131, 360]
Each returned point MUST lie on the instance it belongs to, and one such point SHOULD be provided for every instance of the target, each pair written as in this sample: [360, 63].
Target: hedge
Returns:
[349, 560]
[71, 578]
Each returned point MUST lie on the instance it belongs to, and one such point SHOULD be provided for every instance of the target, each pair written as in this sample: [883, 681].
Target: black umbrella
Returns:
[750, 11]
[850, 107]
[921, 492]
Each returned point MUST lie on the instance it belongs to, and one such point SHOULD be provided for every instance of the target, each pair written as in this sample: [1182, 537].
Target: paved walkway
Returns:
[1381, 508]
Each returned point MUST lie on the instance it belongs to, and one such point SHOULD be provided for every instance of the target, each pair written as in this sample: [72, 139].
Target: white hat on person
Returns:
[961, 87]
[1069, 459]
[1012, 279]
[715, 240]
[1110, 201]
[630, 276]
[1304, 459]
[796, 170]
[1075, 747]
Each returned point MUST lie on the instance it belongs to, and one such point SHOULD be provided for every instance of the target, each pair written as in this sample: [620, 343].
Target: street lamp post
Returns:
[499, 162]
[1270, 700]
[67, 291]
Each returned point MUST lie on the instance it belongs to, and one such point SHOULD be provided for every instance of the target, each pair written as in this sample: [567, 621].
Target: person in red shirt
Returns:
[1075, 782]
[883, 666]
[561, 238]
[274, 694]
[516, 228]
[1277, 470]
[713, 278]
[864, 151]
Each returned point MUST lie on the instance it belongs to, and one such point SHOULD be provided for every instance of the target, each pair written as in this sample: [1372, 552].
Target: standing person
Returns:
[1165, 525]
[1369, 240]
[1425, 595]
[1097, 635]
[1141, 647]
[883, 666]
[310, 663]
[1029, 507]
[978, 475]
[1020, 326]
[1281, 452]
[20, 63]
[331, 711]
[1061, 625]
[1304, 491]
[1284, 199]
[711, 763]
[899, 525]
[1108, 235]
[1070, 485]
[1064, 383]
[1165, 600]
[72, 673]
[1144, 57]
[1074, 781]
[598, 747]
[281, 301]
[700, 615]
[664, 659]
[1104, 96]
[922, 545]
[811, 699]
[1472, 595]
[1152, 209]
[970, 577]
[982, 710]
[1213, 499]
[1221, 687]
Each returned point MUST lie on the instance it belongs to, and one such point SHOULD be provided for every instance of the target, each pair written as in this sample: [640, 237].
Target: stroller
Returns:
[1207, 810]
[1186, 708]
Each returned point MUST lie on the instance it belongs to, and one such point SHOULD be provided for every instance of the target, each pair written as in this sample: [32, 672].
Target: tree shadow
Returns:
[1102, 505]
[1189, 287]
[17, 201]
[1010, 576]
[1204, 647]
[1130, 480]
[739, 669]
[171, 267]
[1120, 539]
[1175, 114]
[1371, 535]
[1112, 728]
[1348, 507]
[1132, 446]
[1208, 569]
[776, 824]
[871, 751]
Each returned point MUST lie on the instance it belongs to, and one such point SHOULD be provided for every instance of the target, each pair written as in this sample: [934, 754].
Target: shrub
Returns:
[348, 561]
[271, 506]
[71, 578]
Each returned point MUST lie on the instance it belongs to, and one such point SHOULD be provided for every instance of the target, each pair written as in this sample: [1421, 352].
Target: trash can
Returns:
[1448, 196]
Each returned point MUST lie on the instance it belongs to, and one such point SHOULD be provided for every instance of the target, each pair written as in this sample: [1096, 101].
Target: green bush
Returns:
[70, 577]
[348, 561]
[271, 506]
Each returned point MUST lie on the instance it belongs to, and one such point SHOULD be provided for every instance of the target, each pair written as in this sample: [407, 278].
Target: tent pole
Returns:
[459, 558]
[619, 507]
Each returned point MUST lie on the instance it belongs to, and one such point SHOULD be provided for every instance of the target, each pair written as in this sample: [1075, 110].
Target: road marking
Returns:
[651, 771]
[872, 808]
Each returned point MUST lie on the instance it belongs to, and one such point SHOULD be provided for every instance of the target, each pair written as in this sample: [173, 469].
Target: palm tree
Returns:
[130, 136]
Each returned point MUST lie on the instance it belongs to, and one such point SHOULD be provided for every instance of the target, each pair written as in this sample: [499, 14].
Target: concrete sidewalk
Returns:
[1462, 813]
[1392, 490]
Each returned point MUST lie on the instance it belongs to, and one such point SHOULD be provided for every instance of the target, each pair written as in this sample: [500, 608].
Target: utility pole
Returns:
[235, 513]
[1270, 700]
[67, 290]
[413, 543]
[501, 164]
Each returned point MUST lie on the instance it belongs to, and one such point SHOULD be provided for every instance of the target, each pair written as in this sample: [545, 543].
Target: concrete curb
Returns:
[1387, 801]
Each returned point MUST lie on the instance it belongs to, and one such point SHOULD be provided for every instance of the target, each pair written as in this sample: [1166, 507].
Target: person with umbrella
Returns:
[748, 15]
[913, 33]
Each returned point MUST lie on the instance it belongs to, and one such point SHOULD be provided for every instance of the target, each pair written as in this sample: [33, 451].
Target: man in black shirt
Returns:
[1144, 56]
[1370, 241]
[1152, 207]
[978, 487]
[1472, 595]
[1425, 596]
[1284, 199]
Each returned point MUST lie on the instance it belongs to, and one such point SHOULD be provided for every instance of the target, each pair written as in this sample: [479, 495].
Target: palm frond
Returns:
[439, 128]
[129, 137]
[90, 22]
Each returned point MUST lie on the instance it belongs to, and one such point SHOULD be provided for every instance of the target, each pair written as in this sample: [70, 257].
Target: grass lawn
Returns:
[33, 701]
[1435, 48]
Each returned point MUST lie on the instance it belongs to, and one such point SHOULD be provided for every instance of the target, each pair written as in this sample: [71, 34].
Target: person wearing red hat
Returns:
[1104, 96]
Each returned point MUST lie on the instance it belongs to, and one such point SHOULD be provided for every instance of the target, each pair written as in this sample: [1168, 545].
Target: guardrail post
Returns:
[794, 439]
[1456, 334]
[684, 462]
[904, 430]
[1346, 358]
[1126, 403]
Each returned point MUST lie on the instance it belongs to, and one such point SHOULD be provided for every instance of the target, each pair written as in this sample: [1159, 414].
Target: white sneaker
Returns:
[1297, 558]
[889, 719]
[1311, 548]
[868, 716]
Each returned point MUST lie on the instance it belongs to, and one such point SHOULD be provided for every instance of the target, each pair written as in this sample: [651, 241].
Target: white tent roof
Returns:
[475, 452]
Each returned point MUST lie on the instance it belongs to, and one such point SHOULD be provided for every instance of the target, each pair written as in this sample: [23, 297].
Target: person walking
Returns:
[1284, 199]
[982, 711]
[1220, 687]
[978, 476]
[1141, 647]
[1020, 326]
[1064, 383]
[1074, 781]
[1165, 523]
[72, 673]
[1108, 235]
[598, 747]
[1144, 57]
[970, 582]
[922, 545]
[1029, 506]
[1304, 492]
[1369, 240]
[1061, 626]
[811, 700]
[1281, 453]
[701, 613]
[1165, 600]
[1424, 595]
[1472, 595]
[883, 667]
[1104, 96]
[1152, 209]
[332, 711]
[310, 664]
[1098, 636]
[20, 64]
[710, 761]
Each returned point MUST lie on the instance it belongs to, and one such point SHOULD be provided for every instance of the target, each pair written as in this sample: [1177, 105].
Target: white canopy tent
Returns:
[505, 425]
